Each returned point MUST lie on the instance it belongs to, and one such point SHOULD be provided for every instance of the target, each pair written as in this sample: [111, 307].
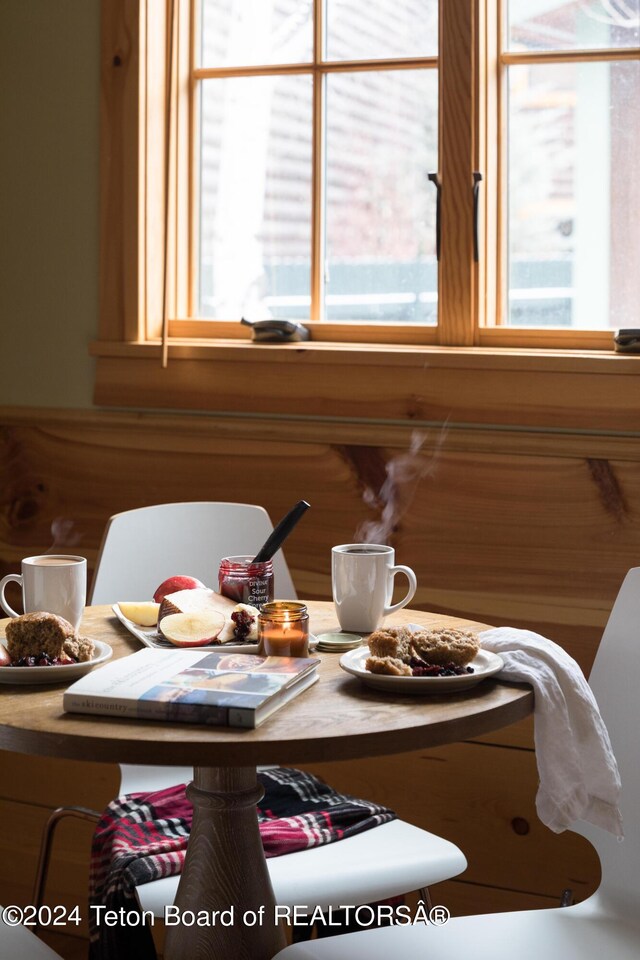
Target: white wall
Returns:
[49, 115]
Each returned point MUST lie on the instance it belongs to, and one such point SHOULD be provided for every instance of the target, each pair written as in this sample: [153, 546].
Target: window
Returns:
[314, 140]
[570, 82]
[287, 156]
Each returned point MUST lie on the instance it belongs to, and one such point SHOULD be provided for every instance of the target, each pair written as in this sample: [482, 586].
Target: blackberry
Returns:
[420, 668]
[29, 661]
[243, 622]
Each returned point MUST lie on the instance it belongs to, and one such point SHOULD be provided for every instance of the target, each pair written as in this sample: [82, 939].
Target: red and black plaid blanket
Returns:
[143, 837]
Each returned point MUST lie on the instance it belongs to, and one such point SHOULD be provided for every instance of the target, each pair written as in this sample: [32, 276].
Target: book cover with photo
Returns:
[191, 686]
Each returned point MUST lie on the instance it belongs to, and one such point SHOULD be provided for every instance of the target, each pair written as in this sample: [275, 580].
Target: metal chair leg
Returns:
[44, 857]
[425, 895]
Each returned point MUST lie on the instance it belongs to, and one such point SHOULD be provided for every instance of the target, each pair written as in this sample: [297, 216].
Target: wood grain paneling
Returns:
[483, 799]
[54, 783]
[69, 873]
[406, 384]
[538, 538]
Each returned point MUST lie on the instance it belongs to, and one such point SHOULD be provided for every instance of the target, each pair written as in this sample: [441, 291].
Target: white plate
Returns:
[63, 673]
[484, 665]
[149, 636]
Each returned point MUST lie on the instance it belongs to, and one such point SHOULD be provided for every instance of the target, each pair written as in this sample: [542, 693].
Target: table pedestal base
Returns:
[224, 870]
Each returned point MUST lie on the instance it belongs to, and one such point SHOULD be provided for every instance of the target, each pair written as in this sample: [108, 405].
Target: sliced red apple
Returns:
[192, 629]
[174, 584]
[5, 659]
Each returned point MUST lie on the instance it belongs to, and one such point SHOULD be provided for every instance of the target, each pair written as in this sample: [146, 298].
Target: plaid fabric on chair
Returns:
[143, 837]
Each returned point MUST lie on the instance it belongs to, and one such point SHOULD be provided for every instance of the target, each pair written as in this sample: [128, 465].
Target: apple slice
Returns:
[174, 584]
[144, 613]
[5, 659]
[192, 629]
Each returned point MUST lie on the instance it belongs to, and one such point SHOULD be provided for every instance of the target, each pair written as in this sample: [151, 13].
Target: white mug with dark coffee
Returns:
[51, 583]
[362, 575]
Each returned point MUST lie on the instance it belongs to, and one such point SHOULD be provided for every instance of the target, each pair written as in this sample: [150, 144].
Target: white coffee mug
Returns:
[362, 575]
[51, 583]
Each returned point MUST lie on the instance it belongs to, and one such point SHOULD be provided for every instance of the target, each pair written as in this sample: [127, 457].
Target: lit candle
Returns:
[283, 629]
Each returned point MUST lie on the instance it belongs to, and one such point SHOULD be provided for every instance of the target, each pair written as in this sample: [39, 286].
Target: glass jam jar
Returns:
[283, 629]
[246, 582]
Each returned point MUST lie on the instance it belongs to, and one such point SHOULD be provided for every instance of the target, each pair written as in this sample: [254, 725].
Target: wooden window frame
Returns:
[145, 284]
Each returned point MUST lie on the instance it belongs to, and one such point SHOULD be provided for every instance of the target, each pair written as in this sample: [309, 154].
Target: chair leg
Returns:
[425, 895]
[82, 813]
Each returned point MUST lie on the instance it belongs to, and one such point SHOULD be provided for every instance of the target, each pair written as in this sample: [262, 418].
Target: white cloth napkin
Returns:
[579, 777]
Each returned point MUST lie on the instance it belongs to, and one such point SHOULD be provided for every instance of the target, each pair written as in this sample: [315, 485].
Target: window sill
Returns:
[586, 389]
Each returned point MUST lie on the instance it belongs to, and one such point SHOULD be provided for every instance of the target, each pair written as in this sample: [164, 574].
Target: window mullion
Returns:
[458, 117]
[317, 174]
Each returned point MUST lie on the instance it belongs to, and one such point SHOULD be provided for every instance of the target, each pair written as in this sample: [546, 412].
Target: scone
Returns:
[446, 646]
[35, 633]
[388, 666]
[79, 648]
[394, 642]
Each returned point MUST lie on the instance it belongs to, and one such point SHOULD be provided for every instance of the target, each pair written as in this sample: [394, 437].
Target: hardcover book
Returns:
[191, 686]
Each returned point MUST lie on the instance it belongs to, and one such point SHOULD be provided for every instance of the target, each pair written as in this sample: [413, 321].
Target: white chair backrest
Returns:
[143, 547]
[615, 681]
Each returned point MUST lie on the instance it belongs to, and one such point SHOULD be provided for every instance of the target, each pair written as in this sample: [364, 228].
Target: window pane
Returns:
[371, 29]
[568, 24]
[248, 32]
[574, 193]
[380, 206]
[255, 197]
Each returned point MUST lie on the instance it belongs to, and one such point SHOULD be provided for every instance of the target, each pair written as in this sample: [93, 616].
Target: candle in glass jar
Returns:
[283, 629]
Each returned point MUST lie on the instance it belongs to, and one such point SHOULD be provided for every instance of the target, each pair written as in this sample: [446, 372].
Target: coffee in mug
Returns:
[51, 584]
[52, 561]
[362, 576]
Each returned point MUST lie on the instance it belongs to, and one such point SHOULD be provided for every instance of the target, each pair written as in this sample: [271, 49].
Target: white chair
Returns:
[19, 943]
[141, 548]
[607, 924]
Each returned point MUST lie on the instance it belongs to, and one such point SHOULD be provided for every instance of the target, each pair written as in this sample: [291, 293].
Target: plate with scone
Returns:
[44, 648]
[414, 660]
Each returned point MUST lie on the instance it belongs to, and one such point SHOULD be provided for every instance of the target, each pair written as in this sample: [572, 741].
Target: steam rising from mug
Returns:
[395, 496]
[65, 533]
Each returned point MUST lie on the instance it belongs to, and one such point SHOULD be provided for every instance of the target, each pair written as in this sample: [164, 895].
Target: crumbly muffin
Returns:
[79, 648]
[395, 642]
[438, 647]
[35, 633]
[446, 646]
[389, 666]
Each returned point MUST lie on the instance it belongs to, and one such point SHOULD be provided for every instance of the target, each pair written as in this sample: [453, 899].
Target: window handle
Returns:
[477, 177]
[435, 179]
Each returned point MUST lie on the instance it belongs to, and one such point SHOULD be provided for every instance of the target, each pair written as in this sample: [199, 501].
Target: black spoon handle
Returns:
[281, 532]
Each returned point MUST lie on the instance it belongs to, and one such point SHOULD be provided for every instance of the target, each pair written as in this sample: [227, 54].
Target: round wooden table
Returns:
[337, 718]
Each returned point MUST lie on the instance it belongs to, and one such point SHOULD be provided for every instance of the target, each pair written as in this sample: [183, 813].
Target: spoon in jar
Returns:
[281, 532]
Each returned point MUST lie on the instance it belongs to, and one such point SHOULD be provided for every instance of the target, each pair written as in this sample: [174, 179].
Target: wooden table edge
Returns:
[83, 746]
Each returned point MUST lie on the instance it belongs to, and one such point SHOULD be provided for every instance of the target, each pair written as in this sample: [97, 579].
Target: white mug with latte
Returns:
[51, 583]
[362, 575]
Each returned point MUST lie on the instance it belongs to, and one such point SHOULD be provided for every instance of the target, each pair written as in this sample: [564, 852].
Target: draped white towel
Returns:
[579, 777]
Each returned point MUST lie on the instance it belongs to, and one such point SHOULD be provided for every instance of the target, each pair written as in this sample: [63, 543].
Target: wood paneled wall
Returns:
[530, 528]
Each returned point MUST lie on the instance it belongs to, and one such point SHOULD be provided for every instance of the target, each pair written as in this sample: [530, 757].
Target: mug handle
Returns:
[413, 585]
[3, 602]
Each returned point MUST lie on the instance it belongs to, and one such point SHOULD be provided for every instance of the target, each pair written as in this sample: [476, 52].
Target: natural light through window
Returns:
[571, 75]
[318, 127]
